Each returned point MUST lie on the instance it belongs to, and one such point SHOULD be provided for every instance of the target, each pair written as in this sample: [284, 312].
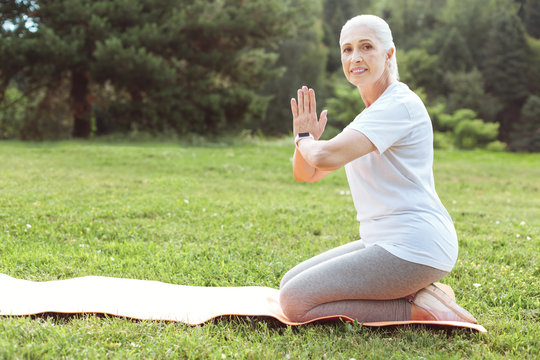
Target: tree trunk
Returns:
[82, 106]
[509, 118]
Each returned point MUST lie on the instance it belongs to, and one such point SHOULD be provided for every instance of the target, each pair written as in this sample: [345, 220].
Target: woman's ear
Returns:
[390, 53]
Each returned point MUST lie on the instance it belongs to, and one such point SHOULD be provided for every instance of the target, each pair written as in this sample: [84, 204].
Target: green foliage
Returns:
[505, 68]
[471, 134]
[343, 107]
[531, 11]
[505, 64]
[455, 45]
[467, 131]
[496, 146]
[466, 90]
[303, 61]
[335, 14]
[473, 19]
[411, 21]
[418, 69]
[48, 116]
[533, 74]
[443, 140]
[526, 133]
[219, 66]
[45, 115]
[12, 113]
[188, 66]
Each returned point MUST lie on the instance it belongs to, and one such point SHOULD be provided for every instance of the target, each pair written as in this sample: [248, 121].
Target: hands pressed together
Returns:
[305, 114]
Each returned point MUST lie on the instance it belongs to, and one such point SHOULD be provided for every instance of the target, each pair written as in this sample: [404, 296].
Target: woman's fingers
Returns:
[322, 121]
[312, 103]
[300, 101]
[305, 93]
[294, 108]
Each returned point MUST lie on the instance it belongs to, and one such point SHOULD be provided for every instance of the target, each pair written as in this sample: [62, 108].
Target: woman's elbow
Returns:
[303, 177]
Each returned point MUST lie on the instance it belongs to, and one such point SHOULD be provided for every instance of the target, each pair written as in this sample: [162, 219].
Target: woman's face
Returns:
[363, 57]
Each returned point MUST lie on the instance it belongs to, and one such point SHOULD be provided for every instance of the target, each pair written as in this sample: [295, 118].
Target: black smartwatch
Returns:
[303, 135]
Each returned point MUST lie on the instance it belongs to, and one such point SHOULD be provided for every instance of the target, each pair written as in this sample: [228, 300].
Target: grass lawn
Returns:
[232, 215]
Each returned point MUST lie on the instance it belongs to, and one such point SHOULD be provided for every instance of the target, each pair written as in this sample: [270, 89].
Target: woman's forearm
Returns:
[304, 171]
[330, 155]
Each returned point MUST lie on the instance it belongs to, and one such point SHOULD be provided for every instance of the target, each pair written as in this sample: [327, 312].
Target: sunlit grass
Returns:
[230, 215]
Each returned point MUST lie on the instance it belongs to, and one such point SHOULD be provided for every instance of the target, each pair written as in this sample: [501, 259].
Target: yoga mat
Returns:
[154, 300]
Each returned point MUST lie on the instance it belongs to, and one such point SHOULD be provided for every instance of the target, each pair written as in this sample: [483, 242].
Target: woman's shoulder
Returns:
[401, 93]
[397, 103]
[401, 97]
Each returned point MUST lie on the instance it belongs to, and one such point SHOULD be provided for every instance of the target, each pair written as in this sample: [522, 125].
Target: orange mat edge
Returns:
[450, 324]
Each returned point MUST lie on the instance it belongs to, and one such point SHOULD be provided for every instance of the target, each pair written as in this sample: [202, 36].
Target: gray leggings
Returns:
[366, 284]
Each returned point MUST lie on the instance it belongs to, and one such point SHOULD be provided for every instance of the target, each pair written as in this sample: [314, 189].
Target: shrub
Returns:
[471, 134]
[496, 146]
[468, 132]
[48, 116]
[526, 133]
[12, 113]
[443, 140]
[343, 107]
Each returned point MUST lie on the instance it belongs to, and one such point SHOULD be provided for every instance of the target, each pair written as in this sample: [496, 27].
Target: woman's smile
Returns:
[358, 70]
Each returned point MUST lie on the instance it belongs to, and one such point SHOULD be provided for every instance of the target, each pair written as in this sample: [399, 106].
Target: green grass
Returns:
[231, 215]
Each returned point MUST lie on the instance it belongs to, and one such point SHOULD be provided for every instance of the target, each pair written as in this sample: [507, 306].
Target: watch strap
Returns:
[303, 135]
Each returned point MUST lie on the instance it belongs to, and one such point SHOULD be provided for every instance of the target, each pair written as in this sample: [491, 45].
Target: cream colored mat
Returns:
[153, 300]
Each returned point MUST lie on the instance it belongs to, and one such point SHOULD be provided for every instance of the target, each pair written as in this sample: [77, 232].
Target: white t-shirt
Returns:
[393, 188]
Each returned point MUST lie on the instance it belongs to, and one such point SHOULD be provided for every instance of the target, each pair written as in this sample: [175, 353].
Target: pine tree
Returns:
[454, 54]
[505, 68]
[531, 14]
[473, 19]
[303, 60]
[466, 90]
[526, 133]
[12, 27]
[335, 14]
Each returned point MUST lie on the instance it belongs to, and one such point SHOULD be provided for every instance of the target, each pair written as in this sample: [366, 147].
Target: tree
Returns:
[526, 133]
[335, 15]
[505, 68]
[473, 19]
[12, 26]
[303, 60]
[419, 69]
[12, 113]
[531, 14]
[466, 90]
[533, 74]
[411, 21]
[454, 54]
[343, 107]
[190, 66]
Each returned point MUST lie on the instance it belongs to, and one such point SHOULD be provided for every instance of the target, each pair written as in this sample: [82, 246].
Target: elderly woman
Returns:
[408, 239]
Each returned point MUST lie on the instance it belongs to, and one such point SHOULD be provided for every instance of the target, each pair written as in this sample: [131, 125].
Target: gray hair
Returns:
[383, 33]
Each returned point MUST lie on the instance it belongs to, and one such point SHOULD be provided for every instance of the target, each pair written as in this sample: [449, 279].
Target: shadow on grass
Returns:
[269, 323]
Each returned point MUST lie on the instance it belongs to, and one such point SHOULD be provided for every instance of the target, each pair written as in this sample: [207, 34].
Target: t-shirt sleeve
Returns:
[384, 125]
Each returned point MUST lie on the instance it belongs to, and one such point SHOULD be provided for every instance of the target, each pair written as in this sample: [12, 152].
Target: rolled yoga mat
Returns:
[154, 300]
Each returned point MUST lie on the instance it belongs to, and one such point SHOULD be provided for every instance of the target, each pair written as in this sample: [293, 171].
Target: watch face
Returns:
[304, 134]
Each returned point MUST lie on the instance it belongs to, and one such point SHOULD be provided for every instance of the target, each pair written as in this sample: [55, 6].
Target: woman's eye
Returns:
[347, 50]
[367, 47]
